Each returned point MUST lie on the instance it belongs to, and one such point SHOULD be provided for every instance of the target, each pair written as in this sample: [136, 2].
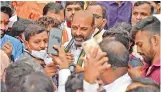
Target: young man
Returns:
[10, 45]
[147, 38]
[141, 10]
[100, 20]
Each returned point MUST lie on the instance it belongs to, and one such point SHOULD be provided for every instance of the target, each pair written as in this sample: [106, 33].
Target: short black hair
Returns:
[52, 6]
[46, 21]
[146, 81]
[14, 73]
[150, 85]
[102, 7]
[81, 3]
[151, 24]
[120, 34]
[33, 29]
[116, 52]
[143, 89]
[36, 82]
[7, 10]
[138, 3]
[19, 26]
[74, 82]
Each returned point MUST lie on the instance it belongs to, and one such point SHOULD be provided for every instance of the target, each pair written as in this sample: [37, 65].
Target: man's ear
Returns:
[104, 22]
[26, 44]
[155, 40]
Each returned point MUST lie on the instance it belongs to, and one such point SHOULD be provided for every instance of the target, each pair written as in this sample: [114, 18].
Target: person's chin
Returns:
[78, 43]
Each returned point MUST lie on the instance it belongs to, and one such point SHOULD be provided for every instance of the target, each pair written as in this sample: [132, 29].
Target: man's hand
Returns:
[7, 48]
[135, 72]
[50, 69]
[94, 65]
[70, 58]
[61, 59]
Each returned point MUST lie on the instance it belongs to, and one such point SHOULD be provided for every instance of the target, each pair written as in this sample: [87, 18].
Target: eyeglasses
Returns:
[97, 16]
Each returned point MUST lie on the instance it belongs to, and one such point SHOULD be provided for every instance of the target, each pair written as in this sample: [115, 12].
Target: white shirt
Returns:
[75, 51]
[63, 77]
[119, 85]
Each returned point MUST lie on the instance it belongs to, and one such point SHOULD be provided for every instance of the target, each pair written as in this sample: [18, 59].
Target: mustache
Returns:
[78, 36]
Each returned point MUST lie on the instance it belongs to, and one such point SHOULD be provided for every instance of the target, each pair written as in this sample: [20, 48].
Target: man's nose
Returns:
[78, 32]
[42, 45]
[138, 17]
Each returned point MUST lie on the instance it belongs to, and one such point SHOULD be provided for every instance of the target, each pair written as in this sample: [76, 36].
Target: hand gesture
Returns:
[94, 65]
[7, 48]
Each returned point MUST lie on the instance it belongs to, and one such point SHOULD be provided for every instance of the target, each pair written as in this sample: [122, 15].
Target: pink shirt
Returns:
[152, 71]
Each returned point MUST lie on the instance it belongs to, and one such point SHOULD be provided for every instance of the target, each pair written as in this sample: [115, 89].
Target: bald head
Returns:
[83, 16]
[116, 52]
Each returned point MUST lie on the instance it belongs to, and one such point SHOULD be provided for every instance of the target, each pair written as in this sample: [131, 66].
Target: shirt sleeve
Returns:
[87, 87]
[63, 76]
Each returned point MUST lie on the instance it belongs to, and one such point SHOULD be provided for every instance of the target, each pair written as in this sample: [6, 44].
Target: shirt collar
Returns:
[118, 81]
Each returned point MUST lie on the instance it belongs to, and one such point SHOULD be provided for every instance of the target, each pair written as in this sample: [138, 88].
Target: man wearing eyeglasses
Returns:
[99, 13]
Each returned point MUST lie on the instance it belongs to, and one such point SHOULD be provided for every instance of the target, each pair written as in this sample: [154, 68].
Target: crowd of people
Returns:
[127, 58]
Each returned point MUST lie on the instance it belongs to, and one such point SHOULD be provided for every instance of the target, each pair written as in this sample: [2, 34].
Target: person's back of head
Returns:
[117, 54]
[56, 7]
[19, 26]
[36, 82]
[74, 82]
[143, 85]
[14, 74]
[118, 33]
[48, 22]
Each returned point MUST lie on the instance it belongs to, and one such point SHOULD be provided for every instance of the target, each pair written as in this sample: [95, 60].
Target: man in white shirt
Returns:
[100, 20]
[82, 29]
[114, 74]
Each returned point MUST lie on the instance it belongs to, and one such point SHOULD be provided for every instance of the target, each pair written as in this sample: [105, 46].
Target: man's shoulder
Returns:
[26, 58]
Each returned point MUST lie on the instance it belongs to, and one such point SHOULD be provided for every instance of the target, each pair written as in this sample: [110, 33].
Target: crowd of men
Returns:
[127, 59]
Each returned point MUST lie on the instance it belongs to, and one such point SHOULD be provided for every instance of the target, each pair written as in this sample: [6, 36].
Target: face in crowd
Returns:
[70, 11]
[4, 20]
[97, 10]
[82, 27]
[141, 12]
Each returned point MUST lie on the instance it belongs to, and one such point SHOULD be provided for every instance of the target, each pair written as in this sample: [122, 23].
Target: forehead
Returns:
[95, 9]
[73, 6]
[142, 8]
[142, 36]
[43, 35]
[82, 21]
[4, 17]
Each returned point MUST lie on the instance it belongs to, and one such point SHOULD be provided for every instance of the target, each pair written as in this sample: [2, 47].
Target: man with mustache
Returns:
[146, 34]
[81, 30]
